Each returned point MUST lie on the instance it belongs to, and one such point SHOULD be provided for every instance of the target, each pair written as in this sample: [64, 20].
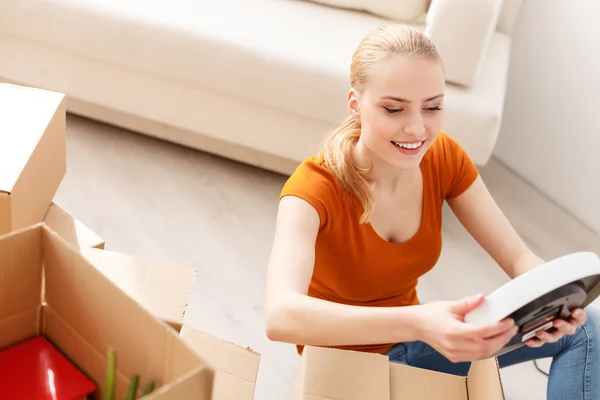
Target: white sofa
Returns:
[258, 81]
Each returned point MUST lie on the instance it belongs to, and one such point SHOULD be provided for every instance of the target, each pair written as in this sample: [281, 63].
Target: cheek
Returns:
[379, 127]
[435, 120]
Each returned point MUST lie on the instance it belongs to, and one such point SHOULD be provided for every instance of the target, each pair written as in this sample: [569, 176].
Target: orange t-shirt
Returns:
[353, 264]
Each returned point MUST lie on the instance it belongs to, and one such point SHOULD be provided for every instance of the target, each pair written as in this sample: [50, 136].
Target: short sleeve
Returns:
[314, 183]
[459, 171]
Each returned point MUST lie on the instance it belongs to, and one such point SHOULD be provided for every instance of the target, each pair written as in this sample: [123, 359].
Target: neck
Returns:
[385, 176]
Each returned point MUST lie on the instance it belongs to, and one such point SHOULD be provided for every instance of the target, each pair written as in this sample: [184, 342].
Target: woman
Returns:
[360, 222]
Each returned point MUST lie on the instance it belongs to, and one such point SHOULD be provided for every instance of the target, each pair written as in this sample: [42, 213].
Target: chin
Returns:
[414, 162]
[406, 162]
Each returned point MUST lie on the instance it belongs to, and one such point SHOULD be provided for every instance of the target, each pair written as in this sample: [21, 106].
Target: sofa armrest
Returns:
[461, 31]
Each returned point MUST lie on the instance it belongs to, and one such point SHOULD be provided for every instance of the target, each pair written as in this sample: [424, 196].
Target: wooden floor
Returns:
[161, 201]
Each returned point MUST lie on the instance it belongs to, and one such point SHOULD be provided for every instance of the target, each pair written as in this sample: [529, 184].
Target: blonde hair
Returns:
[377, 46]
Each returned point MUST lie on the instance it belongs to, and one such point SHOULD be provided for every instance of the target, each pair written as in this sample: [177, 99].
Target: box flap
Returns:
[335, 374]
[87, 314]
[164, 289]
[20, 278]
[5, 214]
[236, 367]
[32, 151]
[72, 230]
[484, 381]
[410, 383]
[26, 113]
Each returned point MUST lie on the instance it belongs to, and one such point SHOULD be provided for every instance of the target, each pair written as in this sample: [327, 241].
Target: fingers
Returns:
[500, 340]
[548, 337]
[464, 306]
[563, 328]
[566, 327]
[475, 331]
[486, 347]
[578, 316]
[534, 343]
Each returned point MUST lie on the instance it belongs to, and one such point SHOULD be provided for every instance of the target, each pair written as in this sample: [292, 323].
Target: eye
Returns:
[392, 110]
[436, 108]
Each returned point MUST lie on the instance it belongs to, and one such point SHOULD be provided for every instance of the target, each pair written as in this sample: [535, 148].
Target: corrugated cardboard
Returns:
[72, 230]
[236, 367]
[83, 313]
[334, 374]
[32, 153]
[164, 289]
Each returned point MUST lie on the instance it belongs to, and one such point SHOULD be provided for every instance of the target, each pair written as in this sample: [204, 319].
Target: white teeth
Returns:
[408, 145]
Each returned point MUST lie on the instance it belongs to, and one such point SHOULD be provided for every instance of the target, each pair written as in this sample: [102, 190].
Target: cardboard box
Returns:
[32, 153]
[335, 374]
[236, 367]
[163, 289]
[72, 230]
[83, 313]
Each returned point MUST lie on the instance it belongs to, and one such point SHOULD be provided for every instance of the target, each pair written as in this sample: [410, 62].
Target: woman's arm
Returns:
[292, 316]
[482, 218]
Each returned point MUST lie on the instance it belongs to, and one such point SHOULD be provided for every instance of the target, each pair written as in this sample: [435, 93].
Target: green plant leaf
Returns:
[133, 387]
[149, 388]
[111, 370]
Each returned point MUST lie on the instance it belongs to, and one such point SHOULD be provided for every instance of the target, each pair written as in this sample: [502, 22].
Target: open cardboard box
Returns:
[32, 154]
[163, 289]
[83, 313]
[334, 374]
[236, 367]
[72, 230]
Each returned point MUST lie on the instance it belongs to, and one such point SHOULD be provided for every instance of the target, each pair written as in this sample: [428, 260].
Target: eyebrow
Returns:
[401, 100]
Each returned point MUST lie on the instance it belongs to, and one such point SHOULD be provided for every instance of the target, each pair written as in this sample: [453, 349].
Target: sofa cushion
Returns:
[399, 11]
[461, 31]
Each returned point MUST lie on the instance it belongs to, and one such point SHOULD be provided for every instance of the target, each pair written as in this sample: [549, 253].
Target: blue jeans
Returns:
[575, 371]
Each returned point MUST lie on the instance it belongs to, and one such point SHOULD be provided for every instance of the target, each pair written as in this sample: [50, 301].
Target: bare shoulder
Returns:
[297, 219]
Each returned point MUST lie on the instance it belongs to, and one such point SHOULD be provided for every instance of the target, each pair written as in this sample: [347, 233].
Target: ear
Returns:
[353, 105]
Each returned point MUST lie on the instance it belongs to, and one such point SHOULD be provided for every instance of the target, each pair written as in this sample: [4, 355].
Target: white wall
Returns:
[551, 127]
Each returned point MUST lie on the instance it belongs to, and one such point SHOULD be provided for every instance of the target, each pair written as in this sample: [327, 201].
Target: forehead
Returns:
[413, 78]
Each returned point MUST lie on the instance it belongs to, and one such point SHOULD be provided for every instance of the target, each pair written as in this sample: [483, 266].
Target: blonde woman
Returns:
[360, 222]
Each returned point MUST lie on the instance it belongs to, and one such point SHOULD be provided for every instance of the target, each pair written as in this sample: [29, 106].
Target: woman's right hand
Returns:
[443, 328]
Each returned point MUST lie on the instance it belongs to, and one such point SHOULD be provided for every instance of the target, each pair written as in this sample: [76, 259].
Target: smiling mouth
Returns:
[409, 146]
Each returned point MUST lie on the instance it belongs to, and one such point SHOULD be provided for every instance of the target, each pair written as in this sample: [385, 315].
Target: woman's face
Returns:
[400, 110]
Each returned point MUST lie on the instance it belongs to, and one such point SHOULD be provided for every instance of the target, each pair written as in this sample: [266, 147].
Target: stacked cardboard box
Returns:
[59, 282]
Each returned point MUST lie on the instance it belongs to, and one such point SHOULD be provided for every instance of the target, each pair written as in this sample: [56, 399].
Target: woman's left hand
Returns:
[563, 328]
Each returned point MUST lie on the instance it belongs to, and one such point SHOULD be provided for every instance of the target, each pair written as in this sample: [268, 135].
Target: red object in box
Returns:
[36, 370]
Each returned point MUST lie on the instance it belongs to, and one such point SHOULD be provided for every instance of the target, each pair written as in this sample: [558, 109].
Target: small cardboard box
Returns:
[32, 153]
[236, 367]
[163, 289]
[83, 314]
[334, 374]
[72, 230]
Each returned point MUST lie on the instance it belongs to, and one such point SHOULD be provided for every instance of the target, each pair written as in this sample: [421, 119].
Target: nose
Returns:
[414, 126]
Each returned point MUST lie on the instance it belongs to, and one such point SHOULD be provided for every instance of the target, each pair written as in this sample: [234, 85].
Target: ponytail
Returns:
[338, 157]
